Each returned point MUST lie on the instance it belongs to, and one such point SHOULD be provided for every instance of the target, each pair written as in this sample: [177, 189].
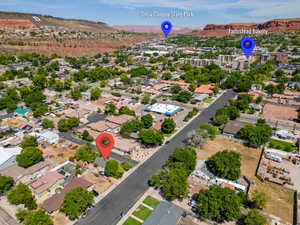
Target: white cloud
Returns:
[255, 9]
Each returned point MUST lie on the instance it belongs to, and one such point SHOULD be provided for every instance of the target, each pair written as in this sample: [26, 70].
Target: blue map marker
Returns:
[248, 45]
[166, 27]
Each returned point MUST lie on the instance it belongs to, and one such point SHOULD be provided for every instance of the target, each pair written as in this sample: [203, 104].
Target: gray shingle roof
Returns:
[165, 213]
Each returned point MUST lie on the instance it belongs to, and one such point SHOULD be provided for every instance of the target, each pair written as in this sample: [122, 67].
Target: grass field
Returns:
[150, 201]
[131, 221]
[280, 201]
[281, 145]
[208, 100]
[142, 212]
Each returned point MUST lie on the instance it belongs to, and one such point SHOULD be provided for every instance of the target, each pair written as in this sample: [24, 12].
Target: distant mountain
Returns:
[290, 24]
[139, 29]
[85, 42]
[28, 20]
[151, 29]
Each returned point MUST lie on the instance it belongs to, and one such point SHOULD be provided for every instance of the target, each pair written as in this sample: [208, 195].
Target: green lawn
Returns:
[142, 212]
[150, 201]
[131, 221]
[208, 100]
[281, 145]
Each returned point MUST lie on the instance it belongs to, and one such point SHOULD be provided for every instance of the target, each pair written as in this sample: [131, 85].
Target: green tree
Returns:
[68, 124]
[75, 93]
[168, 126]
[147, 121]
[6, 183]
[259, 199]
[127, 111]
[129, 127]
[86, 136]
[218, 204]
[125, 79]
[113, 168]
[39, 109]
[186, 156]
[86, 154]
[146, 99]
[175, 89]
[46, 123]
[254, 218]
[183, 96]
[95, 93]
[256, 135]
[76, 202]
[225, 164]
[211, 130]
[172, 179]
[36, 217]
[21, 194]
[221, 119]
[126, 165]
[175, 185]
[58, 85]
[166, 76]
[40, 80]
[151, 137]
[243, 101]
[110, 109]
[29, 142]
[29, 156]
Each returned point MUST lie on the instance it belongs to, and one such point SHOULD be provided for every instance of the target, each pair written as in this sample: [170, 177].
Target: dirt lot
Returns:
[60, 219]
[249, 156]
[280, 201]
[277, 112]
[277, 196]
[60, 153]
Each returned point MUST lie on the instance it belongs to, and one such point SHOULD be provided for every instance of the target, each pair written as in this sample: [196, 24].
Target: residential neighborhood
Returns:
[202, 134]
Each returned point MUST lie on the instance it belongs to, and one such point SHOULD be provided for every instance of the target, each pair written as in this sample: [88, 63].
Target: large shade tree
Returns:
[225, 164]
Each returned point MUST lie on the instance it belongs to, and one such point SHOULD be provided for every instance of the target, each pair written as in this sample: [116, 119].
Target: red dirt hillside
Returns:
[291, 24]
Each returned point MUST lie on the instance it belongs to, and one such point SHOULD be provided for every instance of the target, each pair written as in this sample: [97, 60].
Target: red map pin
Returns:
[105, 143]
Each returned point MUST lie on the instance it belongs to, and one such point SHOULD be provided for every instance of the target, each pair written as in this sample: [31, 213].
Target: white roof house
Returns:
[50, 137]
[284, 134]
[161, 108]
[8, 156]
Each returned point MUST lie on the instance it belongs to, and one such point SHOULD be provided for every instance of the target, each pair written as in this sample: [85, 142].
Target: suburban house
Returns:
[47, 183]
[284, 134]
[166, 213]
[204, 89]
[53, 203]
[233, 127]
[22, 112]
[26, 175]
[8, 156]
[102, 126]
[201, 97]
[49, 137]
[119, 120]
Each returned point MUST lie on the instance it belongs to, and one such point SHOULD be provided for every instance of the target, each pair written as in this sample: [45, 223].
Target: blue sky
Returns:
[127, 12]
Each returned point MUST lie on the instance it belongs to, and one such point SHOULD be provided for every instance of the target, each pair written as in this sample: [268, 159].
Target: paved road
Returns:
[5, 116]
[6, 219]
[68, 136]
[123, 197]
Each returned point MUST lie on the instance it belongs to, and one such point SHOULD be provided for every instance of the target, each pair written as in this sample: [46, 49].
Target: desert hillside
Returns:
[15, 19]
[291, 24]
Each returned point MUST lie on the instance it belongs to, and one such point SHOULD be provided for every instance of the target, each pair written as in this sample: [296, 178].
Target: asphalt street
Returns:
[108, 211]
